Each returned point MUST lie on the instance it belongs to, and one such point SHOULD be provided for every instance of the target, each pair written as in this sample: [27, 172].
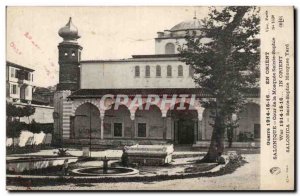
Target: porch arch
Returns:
[184, 123]
[86, 122]
[149, 123]
[77, 104]
[117, 122]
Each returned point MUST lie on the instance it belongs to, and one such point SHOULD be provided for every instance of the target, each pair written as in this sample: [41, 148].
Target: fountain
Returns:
[105, 170]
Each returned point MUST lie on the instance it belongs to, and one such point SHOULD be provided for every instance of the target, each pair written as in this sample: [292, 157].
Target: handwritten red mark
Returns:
[29, 37]
[15, 48]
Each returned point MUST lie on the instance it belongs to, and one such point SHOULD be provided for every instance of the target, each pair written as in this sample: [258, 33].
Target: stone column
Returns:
[132, 117]
[164, 127]
[176, 131]
[133, 128]
[164, 117]
[169, 128]
[195, 130]
[200, 131]
[102, 124]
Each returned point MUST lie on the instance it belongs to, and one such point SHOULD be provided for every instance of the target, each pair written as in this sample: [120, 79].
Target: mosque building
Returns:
[82, 116]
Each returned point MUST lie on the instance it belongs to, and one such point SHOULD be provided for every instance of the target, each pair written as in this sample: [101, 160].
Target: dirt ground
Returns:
[244, 178]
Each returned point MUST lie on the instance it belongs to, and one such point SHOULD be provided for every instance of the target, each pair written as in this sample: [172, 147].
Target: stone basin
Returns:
[151, 155]
[98, 171]
[27, 164]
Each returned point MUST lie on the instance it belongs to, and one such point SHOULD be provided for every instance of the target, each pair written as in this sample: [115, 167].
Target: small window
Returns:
[137, 71]
[13, 89]
[180, 71]
[12, 72]
[26, 75]
[191, 71]
[147, 71]
[66, 54]
[117, 129]
[142, 130]
[170, 48]
[169, 71]
[17, 73]
[158, 71]
[73, 53]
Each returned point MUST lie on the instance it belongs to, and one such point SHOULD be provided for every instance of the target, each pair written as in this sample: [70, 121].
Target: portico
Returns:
[112, 121]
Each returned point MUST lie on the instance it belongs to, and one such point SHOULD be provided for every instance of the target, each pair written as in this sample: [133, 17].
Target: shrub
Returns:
[62, 152]
[245, 137]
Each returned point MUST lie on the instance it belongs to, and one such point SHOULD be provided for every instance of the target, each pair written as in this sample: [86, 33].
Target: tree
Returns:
[14, 127]
[11, 111]
[28, 110]
[13, 130]
[225, 58]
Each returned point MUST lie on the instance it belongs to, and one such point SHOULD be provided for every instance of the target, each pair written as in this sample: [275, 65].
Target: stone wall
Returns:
[121, 74]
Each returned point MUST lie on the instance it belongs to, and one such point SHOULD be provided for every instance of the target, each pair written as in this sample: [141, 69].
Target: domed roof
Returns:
[186, 25]
[69, 31]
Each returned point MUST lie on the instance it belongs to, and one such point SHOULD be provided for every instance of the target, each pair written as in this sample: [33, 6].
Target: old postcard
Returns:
[150, 98]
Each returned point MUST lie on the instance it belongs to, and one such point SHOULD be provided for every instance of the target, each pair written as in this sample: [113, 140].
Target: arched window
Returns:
[170, 48]
[169, 71]
[147, 71]
[180, 70]
[137, 71]
[191, 71]
[158, 71]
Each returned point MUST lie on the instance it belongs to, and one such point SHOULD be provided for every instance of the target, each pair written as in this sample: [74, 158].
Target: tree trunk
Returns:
[216, 147]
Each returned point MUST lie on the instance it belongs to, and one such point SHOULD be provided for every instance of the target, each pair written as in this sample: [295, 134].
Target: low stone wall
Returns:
[205, 144]
[111, 142]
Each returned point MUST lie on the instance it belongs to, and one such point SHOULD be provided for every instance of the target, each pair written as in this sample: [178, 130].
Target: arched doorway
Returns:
[149, 123]
[86, 123]
[117, 122]
[185, 124]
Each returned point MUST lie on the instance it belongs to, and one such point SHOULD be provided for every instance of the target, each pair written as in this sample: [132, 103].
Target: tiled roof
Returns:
[11, 64]
[98, 93]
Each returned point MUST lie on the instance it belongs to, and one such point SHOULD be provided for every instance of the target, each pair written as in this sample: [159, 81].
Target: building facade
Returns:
[89, 110]
[20, 91]
[19, 83]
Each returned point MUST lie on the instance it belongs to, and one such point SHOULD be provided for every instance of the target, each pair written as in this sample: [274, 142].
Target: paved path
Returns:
[244, 178]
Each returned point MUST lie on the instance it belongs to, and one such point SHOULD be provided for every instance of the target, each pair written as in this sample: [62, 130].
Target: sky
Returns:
[106, 33]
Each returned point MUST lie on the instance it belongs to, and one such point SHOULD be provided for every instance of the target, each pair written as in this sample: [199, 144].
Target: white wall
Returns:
[43, 114]
[97, 75]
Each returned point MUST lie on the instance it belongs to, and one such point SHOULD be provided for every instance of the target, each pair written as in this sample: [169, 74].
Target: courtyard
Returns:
[174, 175]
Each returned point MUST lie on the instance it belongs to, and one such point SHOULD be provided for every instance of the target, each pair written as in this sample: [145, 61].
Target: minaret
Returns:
[69, 58]
[69, 81]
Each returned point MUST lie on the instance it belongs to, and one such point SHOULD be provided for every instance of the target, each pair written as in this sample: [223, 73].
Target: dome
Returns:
[69, 31]
[187, 25]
